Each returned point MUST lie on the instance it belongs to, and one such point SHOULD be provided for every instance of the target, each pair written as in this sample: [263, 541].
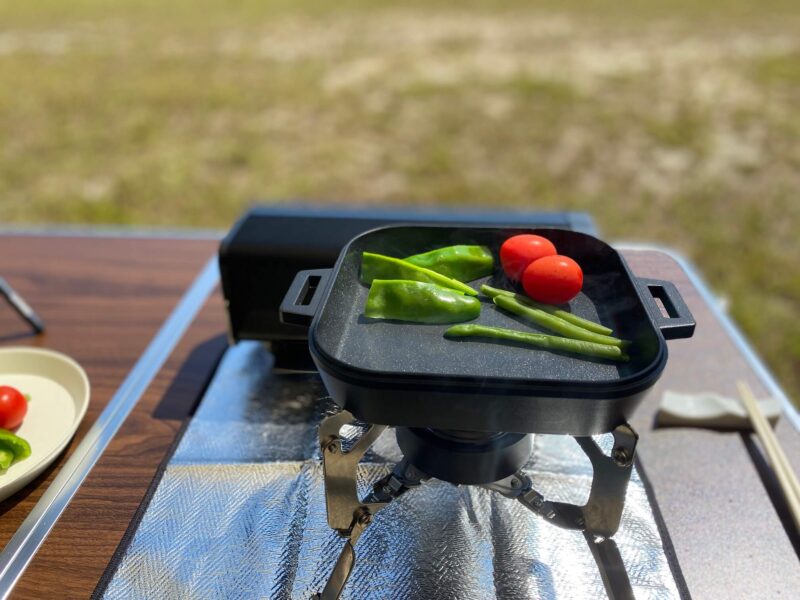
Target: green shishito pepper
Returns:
[553, 323]
[549, 308]
[378, 266]
[549, 342]
[419, 302]
[12, 448]
[462, 262]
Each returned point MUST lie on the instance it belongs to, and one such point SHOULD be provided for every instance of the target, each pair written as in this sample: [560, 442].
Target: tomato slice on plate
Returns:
[13, 407]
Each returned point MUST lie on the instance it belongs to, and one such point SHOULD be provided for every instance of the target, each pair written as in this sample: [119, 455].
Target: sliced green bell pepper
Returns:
[6, 458]
[419, 302]
[13, 444]
[462, 262]
[378, 266]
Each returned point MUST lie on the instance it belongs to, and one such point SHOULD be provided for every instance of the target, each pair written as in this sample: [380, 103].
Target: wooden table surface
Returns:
[104, 298]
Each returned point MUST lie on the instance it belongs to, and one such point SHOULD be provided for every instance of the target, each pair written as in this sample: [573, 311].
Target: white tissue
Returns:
[710, 410]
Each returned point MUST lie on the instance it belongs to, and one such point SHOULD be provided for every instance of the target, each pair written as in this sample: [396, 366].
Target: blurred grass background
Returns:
[673, 122]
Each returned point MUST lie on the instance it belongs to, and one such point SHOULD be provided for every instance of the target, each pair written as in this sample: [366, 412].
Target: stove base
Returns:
[450, 453]
[465, 457]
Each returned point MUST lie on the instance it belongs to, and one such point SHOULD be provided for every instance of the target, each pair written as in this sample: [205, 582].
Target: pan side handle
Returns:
[301, 302]
[679, 322]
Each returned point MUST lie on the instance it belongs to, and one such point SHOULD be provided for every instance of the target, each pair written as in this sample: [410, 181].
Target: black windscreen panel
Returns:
[267, 247]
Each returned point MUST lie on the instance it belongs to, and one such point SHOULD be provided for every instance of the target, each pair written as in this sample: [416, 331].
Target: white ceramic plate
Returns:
[59, 391]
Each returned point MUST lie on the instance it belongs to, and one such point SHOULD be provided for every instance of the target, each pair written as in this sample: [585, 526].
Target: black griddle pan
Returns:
[408, 374]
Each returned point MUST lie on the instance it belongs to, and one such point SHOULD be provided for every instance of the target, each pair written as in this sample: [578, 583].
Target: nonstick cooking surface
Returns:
[378, 346]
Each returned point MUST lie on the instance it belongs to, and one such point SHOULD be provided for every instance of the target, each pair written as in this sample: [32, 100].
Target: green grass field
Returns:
[669, 122]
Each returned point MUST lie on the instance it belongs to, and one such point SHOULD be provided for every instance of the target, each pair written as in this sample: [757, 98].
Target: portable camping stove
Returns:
[493, 461]
[398, 386]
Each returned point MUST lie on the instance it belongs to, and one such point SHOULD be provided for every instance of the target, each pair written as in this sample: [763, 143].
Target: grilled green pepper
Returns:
[13, 445]
[550, 342]
[554, 323]
[378, 266]
[464, 263]
[549, 308]
[419, 302]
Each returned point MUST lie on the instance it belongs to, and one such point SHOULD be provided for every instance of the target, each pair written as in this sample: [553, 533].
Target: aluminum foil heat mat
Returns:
[240, 513]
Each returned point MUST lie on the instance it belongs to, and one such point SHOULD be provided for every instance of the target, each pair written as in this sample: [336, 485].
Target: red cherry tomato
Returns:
[13, 407]
[553, 279]
[519, 251]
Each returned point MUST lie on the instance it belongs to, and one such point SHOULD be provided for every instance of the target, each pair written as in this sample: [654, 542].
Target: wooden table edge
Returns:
[31, 534]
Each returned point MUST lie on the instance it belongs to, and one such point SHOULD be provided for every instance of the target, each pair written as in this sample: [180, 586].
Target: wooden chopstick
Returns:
[777, 457]
[756, 413]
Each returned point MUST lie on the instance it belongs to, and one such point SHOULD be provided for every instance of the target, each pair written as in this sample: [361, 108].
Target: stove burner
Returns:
[492, 460]
[465, 457]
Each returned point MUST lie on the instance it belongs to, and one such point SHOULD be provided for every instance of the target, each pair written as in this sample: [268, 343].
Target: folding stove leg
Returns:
[347, 514]
[599, 518]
